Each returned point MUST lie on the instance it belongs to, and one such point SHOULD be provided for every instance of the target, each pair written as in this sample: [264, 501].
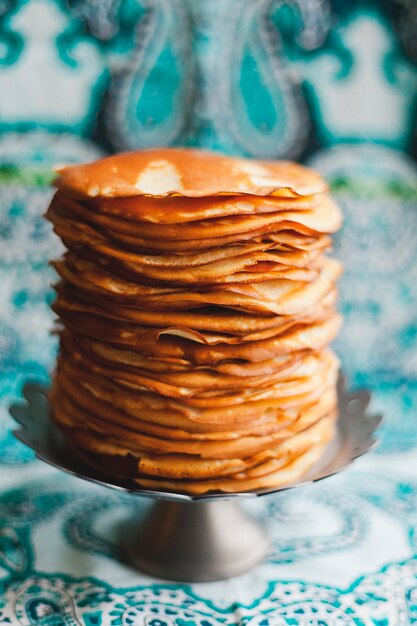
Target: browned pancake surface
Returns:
[195, 306]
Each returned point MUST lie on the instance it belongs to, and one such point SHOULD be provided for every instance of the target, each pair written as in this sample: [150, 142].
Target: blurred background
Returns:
[332, 83]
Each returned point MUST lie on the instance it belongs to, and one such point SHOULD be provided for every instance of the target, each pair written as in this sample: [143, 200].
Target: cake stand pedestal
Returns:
[192, 538]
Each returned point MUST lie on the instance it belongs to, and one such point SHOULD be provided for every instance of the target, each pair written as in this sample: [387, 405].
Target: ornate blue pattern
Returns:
[377, 189]
[311, 522]
[80, 526]
[150, 106]
[240, 108]
[26, 245]
[335, 521]
[377, 81]
[20, 511]
[387, 597]
[42, 46]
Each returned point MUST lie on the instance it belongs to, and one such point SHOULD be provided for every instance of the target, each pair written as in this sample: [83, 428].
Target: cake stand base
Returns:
[192, 538]
[194, 542]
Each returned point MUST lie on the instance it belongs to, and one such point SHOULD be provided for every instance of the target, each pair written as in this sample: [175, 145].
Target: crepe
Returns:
[178, 210]
[196, 303]
[276, 293]
[165, 172]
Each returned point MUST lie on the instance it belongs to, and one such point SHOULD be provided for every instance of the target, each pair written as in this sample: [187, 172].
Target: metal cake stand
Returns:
[192, 538]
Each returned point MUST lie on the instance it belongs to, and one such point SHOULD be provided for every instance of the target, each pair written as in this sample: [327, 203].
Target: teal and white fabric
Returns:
[343, 552]
[329, 82]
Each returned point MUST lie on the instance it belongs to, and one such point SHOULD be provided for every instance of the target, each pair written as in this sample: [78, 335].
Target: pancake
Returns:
[195, 305]
[302, 265]
[276, 468]
[278, 475]
[277, 295]
[219, 322]
[205, 378]
[178, 210]
[97, 282]
[181, 427]
[165, 411]
[165, 172]
[205, 348]
[281, 232]
[323, 218]
[316, 374]
[71, 413]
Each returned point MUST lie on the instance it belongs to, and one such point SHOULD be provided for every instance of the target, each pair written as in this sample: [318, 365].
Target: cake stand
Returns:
[192, 538]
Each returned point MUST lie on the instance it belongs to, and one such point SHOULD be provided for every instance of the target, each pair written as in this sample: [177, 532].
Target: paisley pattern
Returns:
[150, 92]
[240, 109]
[335, 521]
[387, 596]
[327, 81]
[80, 526]
[377, 190]
[26, 245]
[45, 52]
[20, 511]
[348, 514]
[377, 81]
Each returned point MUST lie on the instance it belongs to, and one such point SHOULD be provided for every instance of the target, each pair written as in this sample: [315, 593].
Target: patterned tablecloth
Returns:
[328, 81]
[342, 552]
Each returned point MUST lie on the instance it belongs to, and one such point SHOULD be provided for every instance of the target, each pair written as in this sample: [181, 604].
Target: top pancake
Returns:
[166, 172]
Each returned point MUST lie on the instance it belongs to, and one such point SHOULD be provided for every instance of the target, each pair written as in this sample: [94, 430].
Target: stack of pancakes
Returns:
[196, 304]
